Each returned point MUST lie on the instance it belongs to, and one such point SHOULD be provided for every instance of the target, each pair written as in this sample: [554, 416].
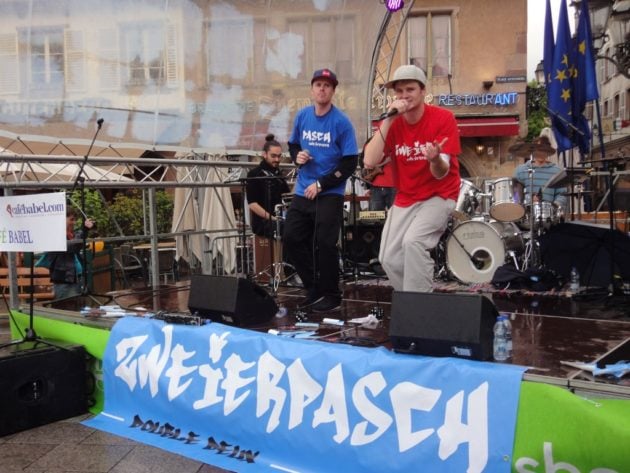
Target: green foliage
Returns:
[536, 110]
[126, 209]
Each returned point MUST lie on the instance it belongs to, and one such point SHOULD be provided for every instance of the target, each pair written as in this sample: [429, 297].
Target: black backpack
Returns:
[534, 279]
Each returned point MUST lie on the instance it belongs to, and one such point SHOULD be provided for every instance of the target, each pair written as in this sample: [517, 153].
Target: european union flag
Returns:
[548, 45]
[585, 82]
[560, 89]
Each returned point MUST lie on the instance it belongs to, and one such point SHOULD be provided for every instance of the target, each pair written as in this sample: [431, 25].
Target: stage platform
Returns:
[548, 329]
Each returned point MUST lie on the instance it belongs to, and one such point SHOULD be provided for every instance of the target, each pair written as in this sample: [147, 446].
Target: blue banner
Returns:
[249, 401]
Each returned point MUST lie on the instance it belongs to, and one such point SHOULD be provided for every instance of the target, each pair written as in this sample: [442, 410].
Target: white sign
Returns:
[33, 223]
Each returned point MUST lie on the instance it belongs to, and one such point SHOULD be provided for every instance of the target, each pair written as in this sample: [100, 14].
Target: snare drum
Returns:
[467, 202]
[546, 214]
[507, 200]
[485, 247]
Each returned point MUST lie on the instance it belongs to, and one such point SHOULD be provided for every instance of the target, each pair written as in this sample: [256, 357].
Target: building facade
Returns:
[221, 75]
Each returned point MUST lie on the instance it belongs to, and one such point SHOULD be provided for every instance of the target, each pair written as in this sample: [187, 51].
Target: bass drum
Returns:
[474, 250]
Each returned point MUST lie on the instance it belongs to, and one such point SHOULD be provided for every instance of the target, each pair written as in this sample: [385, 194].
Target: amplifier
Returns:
[40, 384]
[372, 215]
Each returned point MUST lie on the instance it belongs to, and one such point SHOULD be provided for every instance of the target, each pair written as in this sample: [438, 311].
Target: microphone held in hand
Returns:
[299, 166]
[391, 113]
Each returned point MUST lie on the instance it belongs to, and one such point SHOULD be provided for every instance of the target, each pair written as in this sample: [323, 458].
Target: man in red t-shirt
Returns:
[422, 142]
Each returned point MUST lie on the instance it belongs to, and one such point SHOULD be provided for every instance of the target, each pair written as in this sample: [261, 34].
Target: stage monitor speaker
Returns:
[230, 300]
[438, 324]
[41, 385]
[367, 244]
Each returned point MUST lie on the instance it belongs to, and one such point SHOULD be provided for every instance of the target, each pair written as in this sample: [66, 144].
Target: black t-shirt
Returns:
[265, 192]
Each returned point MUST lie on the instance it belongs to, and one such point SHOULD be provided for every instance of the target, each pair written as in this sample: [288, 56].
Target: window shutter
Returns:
[74, 51]
[109, 59]
[171, 56]
[9, 68]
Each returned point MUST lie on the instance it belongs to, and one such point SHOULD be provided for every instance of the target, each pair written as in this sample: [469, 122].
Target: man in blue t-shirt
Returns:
[324, 146]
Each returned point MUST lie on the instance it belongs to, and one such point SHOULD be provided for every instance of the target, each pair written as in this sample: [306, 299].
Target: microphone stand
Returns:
[80, 183]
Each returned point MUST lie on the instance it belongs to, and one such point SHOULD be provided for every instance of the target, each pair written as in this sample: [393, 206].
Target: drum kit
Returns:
[491, 227]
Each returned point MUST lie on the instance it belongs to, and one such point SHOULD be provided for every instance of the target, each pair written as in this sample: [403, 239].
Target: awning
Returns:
[487, 126]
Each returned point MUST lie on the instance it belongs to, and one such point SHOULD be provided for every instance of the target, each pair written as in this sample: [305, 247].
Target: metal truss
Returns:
[60, 171]
[382, 59]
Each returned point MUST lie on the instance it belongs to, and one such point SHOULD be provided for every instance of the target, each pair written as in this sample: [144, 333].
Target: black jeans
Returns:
[311, 233]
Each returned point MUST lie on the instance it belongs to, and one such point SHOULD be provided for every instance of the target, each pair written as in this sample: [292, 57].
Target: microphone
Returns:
[299, 166]
[391, 113]
[476, 262]
[99, 122]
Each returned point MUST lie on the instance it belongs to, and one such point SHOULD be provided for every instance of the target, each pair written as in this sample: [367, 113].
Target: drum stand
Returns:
[275, 271]
[531, 247]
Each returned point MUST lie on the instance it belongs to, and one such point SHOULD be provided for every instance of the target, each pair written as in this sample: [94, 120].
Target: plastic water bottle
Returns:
[500, 340]
[574, 280]
[508, 334]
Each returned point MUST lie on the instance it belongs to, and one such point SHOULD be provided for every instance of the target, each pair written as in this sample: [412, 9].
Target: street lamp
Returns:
[610, 18]
[539, 73]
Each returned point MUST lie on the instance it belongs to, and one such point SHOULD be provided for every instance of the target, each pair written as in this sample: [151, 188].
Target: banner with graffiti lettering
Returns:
[34, 222]
[250, 401]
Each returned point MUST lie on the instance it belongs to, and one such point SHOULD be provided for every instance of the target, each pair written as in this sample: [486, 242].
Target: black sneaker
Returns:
[309, 300]
[326, 303]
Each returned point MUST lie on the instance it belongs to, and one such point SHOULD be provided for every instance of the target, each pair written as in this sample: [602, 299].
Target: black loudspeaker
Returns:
[363, 244]
[41, 385]
[438, 324]
[230, 300]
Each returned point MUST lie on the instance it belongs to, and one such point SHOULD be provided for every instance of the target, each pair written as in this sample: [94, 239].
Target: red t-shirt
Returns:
[406, 144]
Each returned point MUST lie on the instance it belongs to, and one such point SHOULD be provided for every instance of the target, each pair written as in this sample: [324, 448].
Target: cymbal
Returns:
[578, 170]
[569, 194]
[525, 149]
[563, 178]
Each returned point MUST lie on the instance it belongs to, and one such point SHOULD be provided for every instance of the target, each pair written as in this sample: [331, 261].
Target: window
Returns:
[229, 58]
[328, 42]
[430, 43]
[616, 104]
[9, 73]
[148, 54]
[46, 62]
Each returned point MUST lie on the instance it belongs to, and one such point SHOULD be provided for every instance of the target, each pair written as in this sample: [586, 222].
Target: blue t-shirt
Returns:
[327, 138]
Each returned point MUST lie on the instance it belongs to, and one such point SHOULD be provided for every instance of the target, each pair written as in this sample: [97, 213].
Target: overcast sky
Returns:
[535, 30]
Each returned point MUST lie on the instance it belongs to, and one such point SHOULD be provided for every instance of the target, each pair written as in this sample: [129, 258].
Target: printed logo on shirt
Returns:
[417, 152]
[316, 138]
